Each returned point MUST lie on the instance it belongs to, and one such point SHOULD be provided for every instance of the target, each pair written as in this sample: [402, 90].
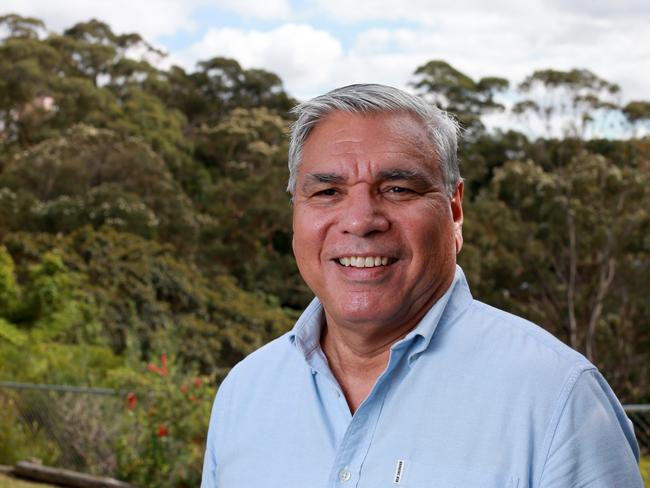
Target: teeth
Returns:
[361, 262]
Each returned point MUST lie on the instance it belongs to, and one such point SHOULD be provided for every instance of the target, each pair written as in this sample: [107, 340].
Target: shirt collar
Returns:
[307, 331]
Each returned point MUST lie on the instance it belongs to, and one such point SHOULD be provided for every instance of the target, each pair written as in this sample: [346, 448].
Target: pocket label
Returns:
[399, 468]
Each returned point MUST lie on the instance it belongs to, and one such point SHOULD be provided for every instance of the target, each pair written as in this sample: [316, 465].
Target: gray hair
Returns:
[373, 98]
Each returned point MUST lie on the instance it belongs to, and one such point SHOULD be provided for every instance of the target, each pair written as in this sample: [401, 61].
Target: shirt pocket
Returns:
[420, 475]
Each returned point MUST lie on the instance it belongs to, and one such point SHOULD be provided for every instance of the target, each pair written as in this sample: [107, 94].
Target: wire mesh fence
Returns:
[85, 429]
[67, 427]
[153, 438]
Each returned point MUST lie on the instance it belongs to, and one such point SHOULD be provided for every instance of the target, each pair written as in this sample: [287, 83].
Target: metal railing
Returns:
[640, 417]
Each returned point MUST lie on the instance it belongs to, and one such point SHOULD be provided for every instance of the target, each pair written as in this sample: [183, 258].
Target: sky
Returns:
[317, 45]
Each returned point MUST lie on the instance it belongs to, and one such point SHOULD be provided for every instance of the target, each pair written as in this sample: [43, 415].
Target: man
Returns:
[394, 375]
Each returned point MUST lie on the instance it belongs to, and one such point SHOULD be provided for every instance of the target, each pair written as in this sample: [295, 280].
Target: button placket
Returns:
[358, 436]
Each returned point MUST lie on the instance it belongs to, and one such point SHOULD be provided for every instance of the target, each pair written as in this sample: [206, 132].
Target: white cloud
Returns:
[299, 54]
[267, 9]
[506, 38]
[512, 43]
[424, 12]
[605, 8]
[149, 18]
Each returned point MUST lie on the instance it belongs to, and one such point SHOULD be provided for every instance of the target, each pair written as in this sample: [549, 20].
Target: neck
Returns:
[357, 356]
[358, 352]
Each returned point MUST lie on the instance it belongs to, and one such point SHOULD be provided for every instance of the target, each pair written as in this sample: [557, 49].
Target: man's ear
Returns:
[457, 214]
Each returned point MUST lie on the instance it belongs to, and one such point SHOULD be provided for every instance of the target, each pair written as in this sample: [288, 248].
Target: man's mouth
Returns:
[365, 261]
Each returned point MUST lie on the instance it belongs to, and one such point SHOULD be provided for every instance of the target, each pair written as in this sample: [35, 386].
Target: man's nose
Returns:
[363, 213]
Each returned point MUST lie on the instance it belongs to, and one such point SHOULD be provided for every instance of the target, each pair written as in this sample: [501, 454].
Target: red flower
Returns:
[162, 431]
[193, 398]
[161, 370]
[197, 382]
[163, 363]
[131, 401]
[184, 389]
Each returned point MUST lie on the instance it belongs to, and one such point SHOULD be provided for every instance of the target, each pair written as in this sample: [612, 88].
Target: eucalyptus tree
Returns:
[575, 103]
[454, 91]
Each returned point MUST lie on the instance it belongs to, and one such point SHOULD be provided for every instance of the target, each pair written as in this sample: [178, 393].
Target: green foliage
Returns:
[143, 212]
[9, 290]
[644, 465]
[246, 153]
[568, 102]
[19, 441]
[569, 251]
[454, 91]
[144, 290]
[98, 177]
[152, 433]
[21, 27]
[163, 438]
[11, 333]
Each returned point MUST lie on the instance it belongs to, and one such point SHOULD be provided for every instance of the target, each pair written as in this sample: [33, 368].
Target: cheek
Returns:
[308, 236]
[305, 230]
[432, 241]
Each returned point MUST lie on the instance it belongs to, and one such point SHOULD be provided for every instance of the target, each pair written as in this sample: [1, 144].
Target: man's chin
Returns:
[370, 313]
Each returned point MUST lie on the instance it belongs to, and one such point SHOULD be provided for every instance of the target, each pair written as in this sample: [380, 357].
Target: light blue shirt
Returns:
[473, 397]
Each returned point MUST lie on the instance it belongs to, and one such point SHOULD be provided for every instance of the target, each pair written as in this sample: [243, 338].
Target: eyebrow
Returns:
[322, 178]
[391, 174]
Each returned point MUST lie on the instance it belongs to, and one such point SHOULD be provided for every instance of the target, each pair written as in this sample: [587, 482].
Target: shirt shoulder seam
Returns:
[562, 401]
[570, 356]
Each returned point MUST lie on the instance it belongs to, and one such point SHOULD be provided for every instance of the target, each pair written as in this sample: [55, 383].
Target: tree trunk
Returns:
[571, 286]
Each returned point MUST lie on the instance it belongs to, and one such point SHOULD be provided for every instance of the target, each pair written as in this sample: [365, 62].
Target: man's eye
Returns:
[398, 189]
[328, 192]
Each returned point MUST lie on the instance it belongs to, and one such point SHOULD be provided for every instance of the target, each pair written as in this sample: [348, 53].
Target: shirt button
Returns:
[344, 474]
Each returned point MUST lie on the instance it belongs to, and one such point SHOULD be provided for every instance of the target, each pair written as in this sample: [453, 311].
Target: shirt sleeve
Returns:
[593, 443]
[216, 432]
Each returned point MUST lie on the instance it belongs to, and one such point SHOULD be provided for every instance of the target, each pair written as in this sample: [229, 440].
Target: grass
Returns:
[645, 470]
[9, 482]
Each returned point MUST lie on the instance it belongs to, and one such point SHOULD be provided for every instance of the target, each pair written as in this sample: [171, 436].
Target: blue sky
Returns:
[318, 45]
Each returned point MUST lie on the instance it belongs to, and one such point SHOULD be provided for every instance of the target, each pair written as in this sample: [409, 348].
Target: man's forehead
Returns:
[347, 130]
[392, 136]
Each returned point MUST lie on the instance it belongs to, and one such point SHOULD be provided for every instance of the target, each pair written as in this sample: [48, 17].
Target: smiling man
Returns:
[394, 374]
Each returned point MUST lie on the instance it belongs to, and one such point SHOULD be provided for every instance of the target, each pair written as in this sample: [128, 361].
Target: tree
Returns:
[637, 114]
[22, 27]
[96, 50]
[568, 251]
[9, 289]
[246, 155]
[98, 177]
[225, 85]
[575, 103]
[455, 92]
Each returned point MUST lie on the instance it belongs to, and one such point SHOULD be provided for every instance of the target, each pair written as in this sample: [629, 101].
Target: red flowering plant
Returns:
[167, 409]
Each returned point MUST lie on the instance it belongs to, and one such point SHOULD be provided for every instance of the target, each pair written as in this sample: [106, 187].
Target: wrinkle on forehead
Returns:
[362, 145]
[343, 142]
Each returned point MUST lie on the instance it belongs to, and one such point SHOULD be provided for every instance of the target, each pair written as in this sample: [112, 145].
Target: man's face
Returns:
[370, 190]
